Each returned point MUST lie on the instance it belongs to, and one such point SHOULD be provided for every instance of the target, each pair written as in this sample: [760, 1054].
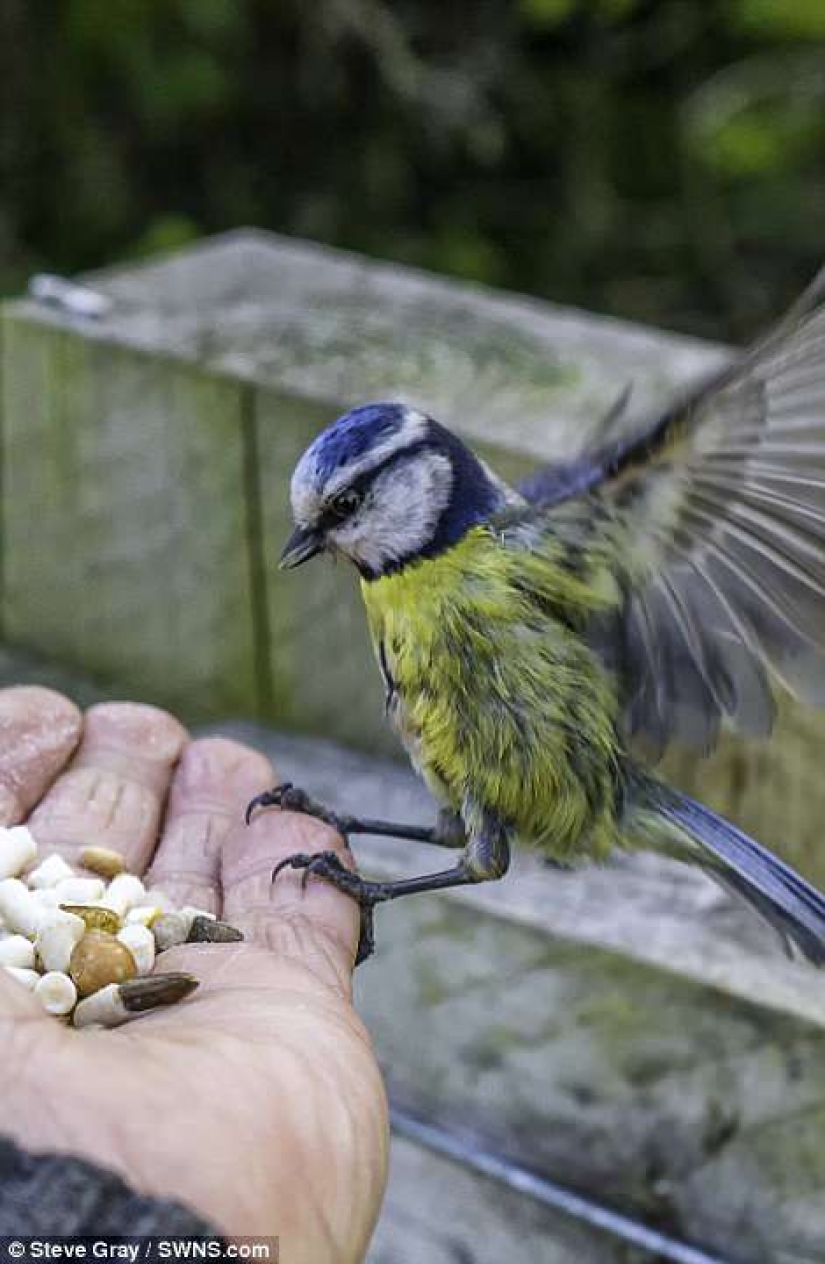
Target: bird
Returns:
[542, 645]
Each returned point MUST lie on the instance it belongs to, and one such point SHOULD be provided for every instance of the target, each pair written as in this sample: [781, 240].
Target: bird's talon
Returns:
[260, 801]
[268, 799]
[321, 862]
[327, 865]
[291, 862]
[290, 798]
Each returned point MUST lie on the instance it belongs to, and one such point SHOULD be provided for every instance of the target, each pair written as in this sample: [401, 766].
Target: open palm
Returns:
[257, 1102]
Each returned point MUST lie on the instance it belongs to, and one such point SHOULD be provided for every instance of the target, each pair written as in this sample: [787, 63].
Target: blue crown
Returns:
[354, 434]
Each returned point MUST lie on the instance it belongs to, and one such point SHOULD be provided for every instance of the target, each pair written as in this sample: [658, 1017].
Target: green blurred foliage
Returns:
[660, 159]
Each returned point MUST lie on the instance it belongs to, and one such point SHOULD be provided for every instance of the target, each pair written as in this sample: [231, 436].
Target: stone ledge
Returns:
[329, 325]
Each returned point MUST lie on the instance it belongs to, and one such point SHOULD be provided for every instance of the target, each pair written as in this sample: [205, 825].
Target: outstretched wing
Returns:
[717, 515]
[560, 480]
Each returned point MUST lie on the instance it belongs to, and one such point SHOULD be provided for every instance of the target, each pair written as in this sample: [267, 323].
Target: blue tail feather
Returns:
[791, 905]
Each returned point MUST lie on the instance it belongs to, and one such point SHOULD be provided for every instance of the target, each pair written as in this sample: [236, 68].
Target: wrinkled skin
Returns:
[258, 1101]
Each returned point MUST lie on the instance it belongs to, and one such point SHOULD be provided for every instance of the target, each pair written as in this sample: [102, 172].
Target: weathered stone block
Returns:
[124, 530]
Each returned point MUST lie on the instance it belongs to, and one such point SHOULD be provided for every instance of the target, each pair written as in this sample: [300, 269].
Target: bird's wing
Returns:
[559, 480]
[717, 515]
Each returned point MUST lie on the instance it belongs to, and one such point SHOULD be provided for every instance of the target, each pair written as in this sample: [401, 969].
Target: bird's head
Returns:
[385, 485]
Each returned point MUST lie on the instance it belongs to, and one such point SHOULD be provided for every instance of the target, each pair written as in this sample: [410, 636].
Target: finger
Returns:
[39, 729]
[309, 922]
[113, 793]
[210, 790]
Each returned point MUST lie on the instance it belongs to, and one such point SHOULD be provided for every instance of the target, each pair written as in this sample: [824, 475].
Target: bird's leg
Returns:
[447, 832]
[487, 856]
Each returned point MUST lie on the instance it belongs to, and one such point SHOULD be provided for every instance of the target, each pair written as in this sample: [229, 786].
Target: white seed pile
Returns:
[84, 945]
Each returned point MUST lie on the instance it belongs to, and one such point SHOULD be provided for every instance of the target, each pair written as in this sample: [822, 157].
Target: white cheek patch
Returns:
[401, 513]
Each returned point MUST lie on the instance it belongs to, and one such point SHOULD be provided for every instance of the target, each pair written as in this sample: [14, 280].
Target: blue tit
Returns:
[541, 646]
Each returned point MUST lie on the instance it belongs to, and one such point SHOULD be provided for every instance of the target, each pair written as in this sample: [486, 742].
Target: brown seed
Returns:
[103, 860]
[208, 930]
[96, 918]
[157, 989]
[100, 959]
[120, 1002]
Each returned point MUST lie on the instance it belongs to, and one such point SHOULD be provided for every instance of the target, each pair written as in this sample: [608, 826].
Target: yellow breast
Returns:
[405, 614]
[501, 705]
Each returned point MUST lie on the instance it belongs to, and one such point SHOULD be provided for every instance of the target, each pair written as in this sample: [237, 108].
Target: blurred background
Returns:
[664, 161]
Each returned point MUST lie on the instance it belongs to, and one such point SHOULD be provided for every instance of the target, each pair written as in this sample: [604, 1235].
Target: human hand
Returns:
[258, 1101]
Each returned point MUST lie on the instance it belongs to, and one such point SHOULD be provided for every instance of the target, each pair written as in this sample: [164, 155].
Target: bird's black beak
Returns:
[303, 544]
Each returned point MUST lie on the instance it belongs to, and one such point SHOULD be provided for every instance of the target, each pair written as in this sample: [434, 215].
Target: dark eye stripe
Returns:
[328, 520]
[362, 482]
[346, 502]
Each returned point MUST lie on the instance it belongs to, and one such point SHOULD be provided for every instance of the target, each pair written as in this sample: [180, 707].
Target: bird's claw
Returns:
[291, 798]
[299, 861]
[267, 799]
[327, 865]
[285, 796]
